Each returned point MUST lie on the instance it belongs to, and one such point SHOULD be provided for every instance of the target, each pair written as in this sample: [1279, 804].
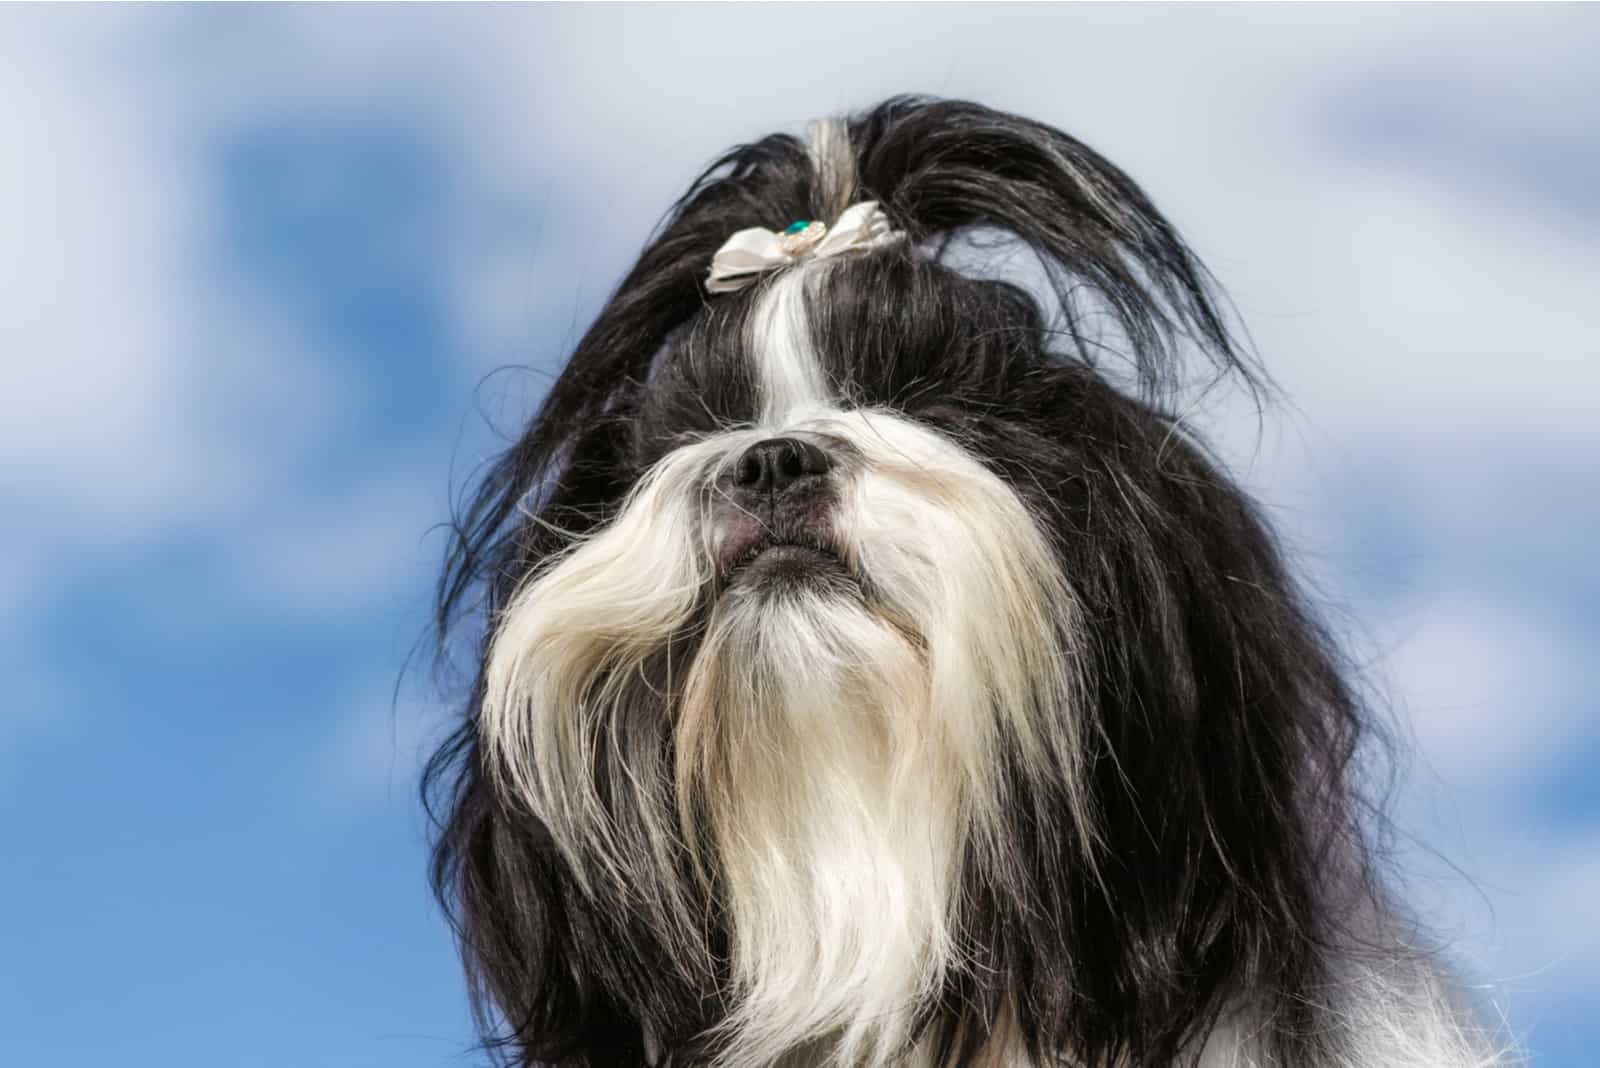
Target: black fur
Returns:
[1224, 728]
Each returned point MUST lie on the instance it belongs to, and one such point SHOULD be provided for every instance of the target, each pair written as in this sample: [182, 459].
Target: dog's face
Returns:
[865, 676]
[831, 591]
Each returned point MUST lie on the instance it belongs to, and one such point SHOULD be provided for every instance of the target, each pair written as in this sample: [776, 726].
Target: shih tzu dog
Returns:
[875, 672]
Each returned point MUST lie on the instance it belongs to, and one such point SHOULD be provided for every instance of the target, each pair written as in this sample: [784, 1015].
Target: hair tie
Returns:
[749, 254]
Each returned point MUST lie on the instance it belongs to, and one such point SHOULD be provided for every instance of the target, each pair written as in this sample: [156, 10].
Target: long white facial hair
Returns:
[837, 744]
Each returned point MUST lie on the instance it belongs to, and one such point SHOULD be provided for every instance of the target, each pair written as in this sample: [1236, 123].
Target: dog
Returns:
[874, 671]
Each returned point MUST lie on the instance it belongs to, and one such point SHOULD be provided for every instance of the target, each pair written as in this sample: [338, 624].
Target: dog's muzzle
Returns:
[774, 516]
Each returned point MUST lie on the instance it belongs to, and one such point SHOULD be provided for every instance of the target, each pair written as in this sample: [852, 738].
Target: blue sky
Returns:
[259, 265]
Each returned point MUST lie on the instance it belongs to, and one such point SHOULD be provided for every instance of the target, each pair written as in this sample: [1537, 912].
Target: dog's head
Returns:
[864, 671]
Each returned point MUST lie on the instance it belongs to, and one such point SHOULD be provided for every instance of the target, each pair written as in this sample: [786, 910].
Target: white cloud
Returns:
[97, 207]
[117, 352]
[1492, 688]
[144, 397]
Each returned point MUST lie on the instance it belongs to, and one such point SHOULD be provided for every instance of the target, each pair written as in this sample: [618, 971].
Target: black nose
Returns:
[775, 464]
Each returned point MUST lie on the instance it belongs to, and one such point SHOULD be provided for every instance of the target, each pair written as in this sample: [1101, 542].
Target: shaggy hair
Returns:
[1000, 735]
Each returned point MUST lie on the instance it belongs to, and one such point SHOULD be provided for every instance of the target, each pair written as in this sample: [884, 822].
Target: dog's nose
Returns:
[775, 464]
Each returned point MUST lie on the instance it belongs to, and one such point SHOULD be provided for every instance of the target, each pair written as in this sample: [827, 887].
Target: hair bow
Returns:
[749, 254]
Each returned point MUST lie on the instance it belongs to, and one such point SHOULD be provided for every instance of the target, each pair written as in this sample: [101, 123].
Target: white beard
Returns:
[838, 753]
[838, 815]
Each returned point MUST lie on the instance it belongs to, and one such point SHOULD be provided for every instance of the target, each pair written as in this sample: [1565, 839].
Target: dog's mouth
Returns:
[782, 560]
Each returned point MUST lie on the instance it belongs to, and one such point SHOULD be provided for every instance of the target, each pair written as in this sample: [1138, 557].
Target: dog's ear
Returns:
[943, 167]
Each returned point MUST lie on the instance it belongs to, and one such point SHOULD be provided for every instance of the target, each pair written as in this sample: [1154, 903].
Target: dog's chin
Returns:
[776, 568]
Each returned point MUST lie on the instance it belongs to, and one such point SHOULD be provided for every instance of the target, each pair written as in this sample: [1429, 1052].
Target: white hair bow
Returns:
[749, 254]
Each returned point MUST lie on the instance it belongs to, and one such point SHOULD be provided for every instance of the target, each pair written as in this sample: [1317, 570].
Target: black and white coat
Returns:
[876, 673]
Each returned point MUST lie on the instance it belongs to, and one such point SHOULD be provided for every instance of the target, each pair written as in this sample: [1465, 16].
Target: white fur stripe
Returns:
[778, 337]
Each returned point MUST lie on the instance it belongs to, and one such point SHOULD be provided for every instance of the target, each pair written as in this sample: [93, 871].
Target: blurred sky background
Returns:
[256, 264]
